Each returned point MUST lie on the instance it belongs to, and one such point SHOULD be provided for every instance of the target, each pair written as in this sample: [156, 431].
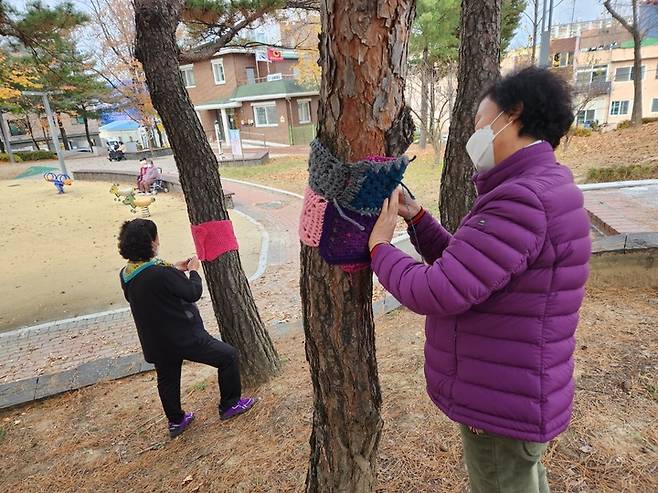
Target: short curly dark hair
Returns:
[136, 239]
[544, 98]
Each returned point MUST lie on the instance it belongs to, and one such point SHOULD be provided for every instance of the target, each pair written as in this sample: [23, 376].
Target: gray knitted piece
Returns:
[341, 182]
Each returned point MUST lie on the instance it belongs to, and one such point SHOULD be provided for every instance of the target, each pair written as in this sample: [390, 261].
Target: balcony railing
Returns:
[598, 87]
[265, 78]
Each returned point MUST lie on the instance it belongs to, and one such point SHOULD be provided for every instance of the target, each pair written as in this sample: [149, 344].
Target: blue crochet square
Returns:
[379, 183]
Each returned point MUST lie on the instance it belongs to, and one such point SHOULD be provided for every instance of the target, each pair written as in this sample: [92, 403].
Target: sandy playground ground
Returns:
[60, 251]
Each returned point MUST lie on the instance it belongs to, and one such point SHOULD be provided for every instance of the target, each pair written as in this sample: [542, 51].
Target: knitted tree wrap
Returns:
[351, 268]
[312, 218]
[360, 187]
[342, 242]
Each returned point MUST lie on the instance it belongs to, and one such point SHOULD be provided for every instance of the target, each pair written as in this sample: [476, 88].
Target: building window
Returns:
[265, 114]
[304, 110]
[598, 73]
[187, 72]
[251, 75]
[17, 128]
[654, 105]
[80, 120]
[623, 74]
[218, 72]
[619, 108]
[563, 59]
[585, 117]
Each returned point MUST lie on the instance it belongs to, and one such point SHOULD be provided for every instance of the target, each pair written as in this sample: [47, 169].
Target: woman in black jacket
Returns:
[162, 300]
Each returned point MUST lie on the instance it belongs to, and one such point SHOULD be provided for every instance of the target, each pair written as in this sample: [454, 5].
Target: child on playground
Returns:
[162, 300]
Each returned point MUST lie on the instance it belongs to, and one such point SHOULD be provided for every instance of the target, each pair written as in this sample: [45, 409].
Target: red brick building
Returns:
[239, 89]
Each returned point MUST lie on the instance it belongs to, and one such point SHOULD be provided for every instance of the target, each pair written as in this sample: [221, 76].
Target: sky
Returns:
[564, 10]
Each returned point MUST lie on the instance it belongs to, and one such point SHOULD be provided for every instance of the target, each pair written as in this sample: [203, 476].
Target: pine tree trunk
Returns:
[363, 52]
[479, 54]
[237, 316]
[423, 98]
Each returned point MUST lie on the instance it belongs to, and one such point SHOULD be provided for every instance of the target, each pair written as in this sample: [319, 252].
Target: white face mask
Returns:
[480, 146]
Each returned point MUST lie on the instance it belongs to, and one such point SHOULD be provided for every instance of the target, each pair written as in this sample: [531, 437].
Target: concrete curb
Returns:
[617, 184]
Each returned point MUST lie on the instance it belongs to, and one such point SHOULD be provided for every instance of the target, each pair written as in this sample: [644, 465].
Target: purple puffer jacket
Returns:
[501, 297]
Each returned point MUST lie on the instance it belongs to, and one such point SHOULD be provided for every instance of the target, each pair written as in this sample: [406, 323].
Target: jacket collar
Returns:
[518, 163]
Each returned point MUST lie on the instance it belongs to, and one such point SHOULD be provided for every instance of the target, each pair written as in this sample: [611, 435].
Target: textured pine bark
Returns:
[363, 53]
[237, 316]
[479, 58]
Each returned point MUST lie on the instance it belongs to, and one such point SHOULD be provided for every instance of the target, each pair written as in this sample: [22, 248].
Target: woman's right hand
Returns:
[194, 263]
[408, 207]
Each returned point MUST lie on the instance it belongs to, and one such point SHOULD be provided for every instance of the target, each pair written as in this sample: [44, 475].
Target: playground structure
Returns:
[120, 193]
[141, 202]
[59, 180]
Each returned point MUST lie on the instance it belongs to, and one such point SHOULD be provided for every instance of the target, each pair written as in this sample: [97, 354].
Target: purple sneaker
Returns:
[243, 405]
[177, 429]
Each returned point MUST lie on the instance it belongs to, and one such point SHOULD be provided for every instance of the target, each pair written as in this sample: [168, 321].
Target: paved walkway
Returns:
[630, 209]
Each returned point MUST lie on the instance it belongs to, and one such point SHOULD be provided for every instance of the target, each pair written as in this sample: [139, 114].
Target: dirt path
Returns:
[108, 438]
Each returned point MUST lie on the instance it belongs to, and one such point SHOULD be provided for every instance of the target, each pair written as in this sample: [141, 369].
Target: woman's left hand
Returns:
[182, 265]
[388, 218]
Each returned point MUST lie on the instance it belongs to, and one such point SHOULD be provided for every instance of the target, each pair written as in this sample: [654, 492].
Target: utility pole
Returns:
[6, 136]
[545, 51]
[54, 129]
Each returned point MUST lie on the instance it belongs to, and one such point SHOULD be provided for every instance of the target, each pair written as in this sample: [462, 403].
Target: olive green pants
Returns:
[503, 465]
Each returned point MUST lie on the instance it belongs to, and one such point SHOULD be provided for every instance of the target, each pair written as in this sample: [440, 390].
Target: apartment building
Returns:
[597, 58]
[256, 91]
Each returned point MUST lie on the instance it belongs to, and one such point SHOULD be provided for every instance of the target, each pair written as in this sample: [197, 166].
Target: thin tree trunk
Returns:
[62, 132]
[30, 130]
[535, 28]
[86, 122]
[157, 130]
[432, 104]
[636, 117]
[45, 135]
[634, 30]
[233, 303]
[363, 52]
[423, 98]
[479, 52]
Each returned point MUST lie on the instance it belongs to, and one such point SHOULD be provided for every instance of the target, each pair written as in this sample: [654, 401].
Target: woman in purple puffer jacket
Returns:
[502, 293]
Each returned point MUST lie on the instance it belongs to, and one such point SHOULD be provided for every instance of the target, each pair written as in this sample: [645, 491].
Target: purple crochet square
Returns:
[343, 242]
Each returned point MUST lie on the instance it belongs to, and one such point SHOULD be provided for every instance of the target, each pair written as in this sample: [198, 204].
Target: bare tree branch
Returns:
[618, 17]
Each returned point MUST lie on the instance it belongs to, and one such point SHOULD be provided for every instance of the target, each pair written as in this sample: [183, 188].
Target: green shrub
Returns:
[623, 173]
[580, 132]
[4, 157]
[36, 155]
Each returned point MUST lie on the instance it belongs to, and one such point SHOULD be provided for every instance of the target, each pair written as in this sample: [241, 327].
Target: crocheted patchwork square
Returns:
[312, 218]
[361, 186]
[342, 242]
[378, 184]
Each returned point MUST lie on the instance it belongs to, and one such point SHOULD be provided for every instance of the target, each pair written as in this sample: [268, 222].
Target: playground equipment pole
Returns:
[54, 130]
[6, 135]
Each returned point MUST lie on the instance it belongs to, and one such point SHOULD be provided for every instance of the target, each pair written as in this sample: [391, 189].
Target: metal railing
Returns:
[595, 87]
[242, 81]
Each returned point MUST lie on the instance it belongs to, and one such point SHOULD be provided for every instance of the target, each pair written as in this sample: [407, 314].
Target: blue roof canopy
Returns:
[119, 126]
